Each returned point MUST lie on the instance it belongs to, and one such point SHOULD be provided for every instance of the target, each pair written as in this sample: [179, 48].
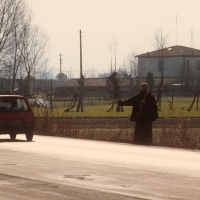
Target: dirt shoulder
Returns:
[173, 132]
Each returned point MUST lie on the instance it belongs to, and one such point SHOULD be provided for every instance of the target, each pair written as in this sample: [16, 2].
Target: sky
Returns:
[111, 29]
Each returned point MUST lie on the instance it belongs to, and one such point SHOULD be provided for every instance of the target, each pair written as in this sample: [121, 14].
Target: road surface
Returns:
[63, 168]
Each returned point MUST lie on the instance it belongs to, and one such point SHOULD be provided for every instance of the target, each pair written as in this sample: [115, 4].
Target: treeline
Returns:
[23, 45]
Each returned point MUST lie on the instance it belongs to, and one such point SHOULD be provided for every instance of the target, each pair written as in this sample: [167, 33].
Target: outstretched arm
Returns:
[128, 102]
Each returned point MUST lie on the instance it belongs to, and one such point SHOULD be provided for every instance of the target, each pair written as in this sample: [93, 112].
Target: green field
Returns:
[99, 108]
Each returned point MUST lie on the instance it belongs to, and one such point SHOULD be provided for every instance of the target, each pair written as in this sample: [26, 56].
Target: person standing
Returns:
[144, 112]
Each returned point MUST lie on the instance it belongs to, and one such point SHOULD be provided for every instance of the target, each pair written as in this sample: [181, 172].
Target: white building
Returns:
[179, 62]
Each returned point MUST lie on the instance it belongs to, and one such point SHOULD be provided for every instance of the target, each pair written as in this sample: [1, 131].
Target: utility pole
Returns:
[192, 39]
[115, 46]
[111, 70]
[176, 30]
[115, 57]
[81, 75]
[60, 63]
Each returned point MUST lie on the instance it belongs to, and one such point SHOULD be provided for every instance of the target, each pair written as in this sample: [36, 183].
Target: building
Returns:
[180, 64]
[100, 88]
[93, 87]
[38, 86]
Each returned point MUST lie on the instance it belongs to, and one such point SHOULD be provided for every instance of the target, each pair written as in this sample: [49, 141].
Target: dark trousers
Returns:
[143, 131]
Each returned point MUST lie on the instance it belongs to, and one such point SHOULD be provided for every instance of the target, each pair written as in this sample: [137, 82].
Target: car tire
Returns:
[29, 136]
[13, 136]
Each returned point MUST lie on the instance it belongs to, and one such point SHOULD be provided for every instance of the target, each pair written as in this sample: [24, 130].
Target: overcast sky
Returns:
[131, 24]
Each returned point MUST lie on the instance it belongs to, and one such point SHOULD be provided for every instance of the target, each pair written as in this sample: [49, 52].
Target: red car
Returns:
[16, 116]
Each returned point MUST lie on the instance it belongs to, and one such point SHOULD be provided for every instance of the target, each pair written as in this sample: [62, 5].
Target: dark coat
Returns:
[149, 108]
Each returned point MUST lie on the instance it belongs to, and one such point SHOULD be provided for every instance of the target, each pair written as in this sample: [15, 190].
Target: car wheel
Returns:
[13, 136]
[29, 135]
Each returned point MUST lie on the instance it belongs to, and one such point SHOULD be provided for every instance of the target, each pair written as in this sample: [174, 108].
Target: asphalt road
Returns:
[62, 168]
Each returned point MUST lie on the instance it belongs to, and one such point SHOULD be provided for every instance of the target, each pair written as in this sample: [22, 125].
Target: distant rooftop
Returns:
[104, 75]
[173, 51]
[97, 82]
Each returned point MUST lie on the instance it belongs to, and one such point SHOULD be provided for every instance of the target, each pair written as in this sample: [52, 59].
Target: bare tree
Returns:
[123, 72]
[160, 42]
[116, 92]
[61, 77]
[12, 13]
[34, 49]
[130, 64]
[8, 23]
[6, 26]
[22, 45]
[17, 34]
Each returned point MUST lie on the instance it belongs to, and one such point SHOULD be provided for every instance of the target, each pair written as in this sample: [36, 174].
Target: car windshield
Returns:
[13, 105]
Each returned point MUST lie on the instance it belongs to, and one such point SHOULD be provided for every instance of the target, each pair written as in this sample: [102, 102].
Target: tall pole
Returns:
[192, 39]
[51, 96]
[115, 45]
[176, 30]
[81, 75]
[60, 63]
[115, 58]
[111, 70]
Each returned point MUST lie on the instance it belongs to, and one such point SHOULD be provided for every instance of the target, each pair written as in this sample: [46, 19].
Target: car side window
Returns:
[4, 105]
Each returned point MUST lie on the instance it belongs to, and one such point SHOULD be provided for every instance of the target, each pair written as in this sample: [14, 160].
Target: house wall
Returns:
[182, 67]
[172, 66]
[194, 74]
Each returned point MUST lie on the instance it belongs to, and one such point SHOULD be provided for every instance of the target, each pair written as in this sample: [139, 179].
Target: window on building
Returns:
[198, 65]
